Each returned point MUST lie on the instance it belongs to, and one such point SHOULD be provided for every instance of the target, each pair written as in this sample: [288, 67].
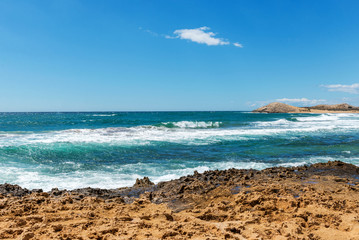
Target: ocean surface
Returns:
[112, 149]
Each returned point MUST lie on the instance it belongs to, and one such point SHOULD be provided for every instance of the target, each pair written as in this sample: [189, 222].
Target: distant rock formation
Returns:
[277, 107]
[335, 107]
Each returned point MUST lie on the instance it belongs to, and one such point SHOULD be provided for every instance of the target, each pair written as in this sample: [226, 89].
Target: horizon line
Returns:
[119, 111]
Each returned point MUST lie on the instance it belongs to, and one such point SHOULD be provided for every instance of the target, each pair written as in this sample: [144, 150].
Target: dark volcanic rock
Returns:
[180, 193]
[15, 190]
[317, 201]
[145, 182]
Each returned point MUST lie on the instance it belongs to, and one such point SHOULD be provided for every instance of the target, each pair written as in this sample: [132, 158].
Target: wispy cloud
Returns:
[201, 35]
[354, 88]
[238, 45]
[301, 101]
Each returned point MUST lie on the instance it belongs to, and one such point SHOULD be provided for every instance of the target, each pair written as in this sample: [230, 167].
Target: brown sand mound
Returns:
[311, 202]
[277, 107]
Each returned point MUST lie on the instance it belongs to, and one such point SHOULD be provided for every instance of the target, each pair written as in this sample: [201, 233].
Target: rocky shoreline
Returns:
[278, 107]
[318, 201]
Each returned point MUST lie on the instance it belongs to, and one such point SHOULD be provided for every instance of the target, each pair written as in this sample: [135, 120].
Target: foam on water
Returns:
[322, 117]
[187, 132]
[192, 124]
[315, 123]
[111, 155]
[279, 122]
[104, 115]
[32, 178]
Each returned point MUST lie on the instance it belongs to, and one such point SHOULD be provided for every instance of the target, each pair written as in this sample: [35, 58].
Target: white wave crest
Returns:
[104, 115]
[32, 177]
[320, 118]
[273, 123]
[341, 121]
[194, 124]
[189, 133]
[36, 177]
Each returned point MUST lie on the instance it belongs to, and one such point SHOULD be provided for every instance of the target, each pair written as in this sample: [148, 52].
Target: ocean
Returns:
[111, 149]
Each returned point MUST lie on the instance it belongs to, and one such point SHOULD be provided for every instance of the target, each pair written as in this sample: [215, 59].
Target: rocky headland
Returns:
[319, 201]
[277, 107]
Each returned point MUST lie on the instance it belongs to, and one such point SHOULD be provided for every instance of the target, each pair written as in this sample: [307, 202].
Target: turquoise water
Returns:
[112, 149]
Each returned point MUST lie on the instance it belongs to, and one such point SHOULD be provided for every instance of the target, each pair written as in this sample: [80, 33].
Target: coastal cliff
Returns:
[277, 107]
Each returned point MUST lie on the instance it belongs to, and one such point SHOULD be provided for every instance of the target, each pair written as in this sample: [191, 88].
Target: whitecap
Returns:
[193, 124]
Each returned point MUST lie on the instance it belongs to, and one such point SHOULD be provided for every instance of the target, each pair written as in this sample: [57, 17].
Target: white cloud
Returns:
[301, 101]
[169, 37]
[201, 35]
[354, 88]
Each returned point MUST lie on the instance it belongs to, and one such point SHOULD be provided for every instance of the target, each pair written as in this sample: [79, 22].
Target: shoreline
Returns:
[278, 107]
[324, 111]
[311, 202]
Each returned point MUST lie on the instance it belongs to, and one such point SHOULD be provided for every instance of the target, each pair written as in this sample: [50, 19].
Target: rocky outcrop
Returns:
[277, 107]
[335, 107]
[317, 201]
[14, 190]
[143, 183]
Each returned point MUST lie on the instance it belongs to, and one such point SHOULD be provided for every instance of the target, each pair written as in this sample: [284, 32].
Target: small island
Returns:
[278, 107]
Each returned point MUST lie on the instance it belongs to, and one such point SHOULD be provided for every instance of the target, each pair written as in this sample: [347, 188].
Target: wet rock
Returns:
[273, 203]
[14, 190]
[57, 192]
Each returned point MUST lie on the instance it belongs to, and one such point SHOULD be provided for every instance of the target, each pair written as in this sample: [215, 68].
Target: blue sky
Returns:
[134, 55]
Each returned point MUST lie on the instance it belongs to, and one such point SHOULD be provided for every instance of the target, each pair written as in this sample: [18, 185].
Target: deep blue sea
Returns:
[112, 149]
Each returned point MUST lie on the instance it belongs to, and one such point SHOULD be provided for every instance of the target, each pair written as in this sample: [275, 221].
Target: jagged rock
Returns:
[14, 190]
[318, 201]
[142, 183]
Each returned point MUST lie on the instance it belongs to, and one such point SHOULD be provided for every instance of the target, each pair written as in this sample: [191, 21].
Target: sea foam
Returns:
[109, 154]
[185, 132]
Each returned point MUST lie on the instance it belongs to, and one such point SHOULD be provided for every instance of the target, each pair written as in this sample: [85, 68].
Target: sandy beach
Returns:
[328, 111]
[319, 201]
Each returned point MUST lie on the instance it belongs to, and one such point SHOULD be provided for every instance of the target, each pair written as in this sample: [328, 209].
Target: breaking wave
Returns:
[191, 124]
[72, 150]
